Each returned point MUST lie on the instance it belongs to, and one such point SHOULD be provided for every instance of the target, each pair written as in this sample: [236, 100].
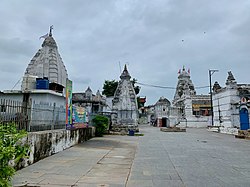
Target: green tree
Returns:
[101, 124]
[137, 88]
[109, 87]
[11, 149]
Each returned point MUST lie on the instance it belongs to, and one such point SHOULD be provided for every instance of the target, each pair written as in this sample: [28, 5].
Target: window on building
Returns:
[196, 112]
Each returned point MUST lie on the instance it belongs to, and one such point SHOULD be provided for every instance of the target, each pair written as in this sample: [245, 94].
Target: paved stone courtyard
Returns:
[193, 158]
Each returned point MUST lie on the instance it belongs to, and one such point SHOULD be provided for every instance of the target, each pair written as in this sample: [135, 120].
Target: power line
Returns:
[201, 87]
[156, 86]
[16, 83]
[166, 87]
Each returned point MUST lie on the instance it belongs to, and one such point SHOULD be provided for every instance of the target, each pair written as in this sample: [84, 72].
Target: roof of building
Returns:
[82, 97]
[163, 101]
[230, 83]
[88, 89]
[37, 91]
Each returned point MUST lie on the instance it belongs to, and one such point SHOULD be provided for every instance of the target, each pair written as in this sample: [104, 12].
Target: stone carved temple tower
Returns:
[48, 63]
[189, 109]
[184, 91]
[124, 103]
[184, 85]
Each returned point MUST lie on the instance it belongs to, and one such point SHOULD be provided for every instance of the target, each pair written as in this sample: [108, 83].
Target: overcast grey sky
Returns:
[155, 38]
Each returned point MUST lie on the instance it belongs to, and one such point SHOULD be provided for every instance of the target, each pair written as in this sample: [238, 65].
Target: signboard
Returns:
[201, 106]
[69, 110]
[79, 117]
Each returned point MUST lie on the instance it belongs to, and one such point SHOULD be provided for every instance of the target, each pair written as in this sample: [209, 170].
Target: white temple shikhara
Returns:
[47, 63]
[125, 109]
[189, 109]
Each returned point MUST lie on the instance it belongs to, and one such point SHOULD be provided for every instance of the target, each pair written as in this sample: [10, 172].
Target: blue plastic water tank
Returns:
[42, 84]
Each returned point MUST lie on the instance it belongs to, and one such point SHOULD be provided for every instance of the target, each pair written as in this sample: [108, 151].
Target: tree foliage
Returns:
[137, 88]
[101, 124]
[109, 87]
[11, 150]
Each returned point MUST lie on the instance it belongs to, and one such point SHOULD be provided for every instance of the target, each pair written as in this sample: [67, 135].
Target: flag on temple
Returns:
[44, 36]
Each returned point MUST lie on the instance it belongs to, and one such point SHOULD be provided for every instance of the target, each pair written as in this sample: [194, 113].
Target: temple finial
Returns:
[183, 68]
[50, 30]
[125, 73]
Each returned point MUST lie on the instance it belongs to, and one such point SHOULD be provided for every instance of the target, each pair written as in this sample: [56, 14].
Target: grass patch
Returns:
[139, 134]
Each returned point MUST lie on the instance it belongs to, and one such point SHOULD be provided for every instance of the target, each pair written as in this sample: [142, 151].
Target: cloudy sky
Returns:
[155, 38]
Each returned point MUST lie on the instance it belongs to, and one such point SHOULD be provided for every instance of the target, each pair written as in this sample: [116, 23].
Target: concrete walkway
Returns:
[193, 158]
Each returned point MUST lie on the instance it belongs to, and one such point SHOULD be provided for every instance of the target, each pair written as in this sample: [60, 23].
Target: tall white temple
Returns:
[42, 91]
[189, 109]
[47, 63]
[125, 107]
[184, 85]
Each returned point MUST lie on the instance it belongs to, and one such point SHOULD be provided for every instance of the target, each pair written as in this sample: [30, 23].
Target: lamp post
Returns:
[211, 72]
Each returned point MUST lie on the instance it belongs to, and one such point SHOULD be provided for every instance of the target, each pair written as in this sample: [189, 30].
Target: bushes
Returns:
[101, 124]
[11, 151]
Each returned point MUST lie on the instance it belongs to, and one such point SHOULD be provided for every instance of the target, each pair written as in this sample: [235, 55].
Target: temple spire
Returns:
[125, 73]
[125, 67]
[50, 30]
[47, 62]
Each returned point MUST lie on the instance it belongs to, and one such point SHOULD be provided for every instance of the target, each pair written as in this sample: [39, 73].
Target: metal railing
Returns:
[32, 116]
[13, 112]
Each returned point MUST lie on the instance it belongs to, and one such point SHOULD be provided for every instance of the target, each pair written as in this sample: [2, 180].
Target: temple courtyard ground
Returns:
[159, 159]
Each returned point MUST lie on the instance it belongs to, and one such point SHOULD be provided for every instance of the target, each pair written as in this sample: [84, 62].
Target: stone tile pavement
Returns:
[157, 159]
[98, 162]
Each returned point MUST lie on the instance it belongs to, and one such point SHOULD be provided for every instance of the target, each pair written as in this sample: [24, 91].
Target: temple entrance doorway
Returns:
[164, 122]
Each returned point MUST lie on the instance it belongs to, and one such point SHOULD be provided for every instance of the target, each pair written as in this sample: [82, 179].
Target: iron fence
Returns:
[14, 112]
[32, 116]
